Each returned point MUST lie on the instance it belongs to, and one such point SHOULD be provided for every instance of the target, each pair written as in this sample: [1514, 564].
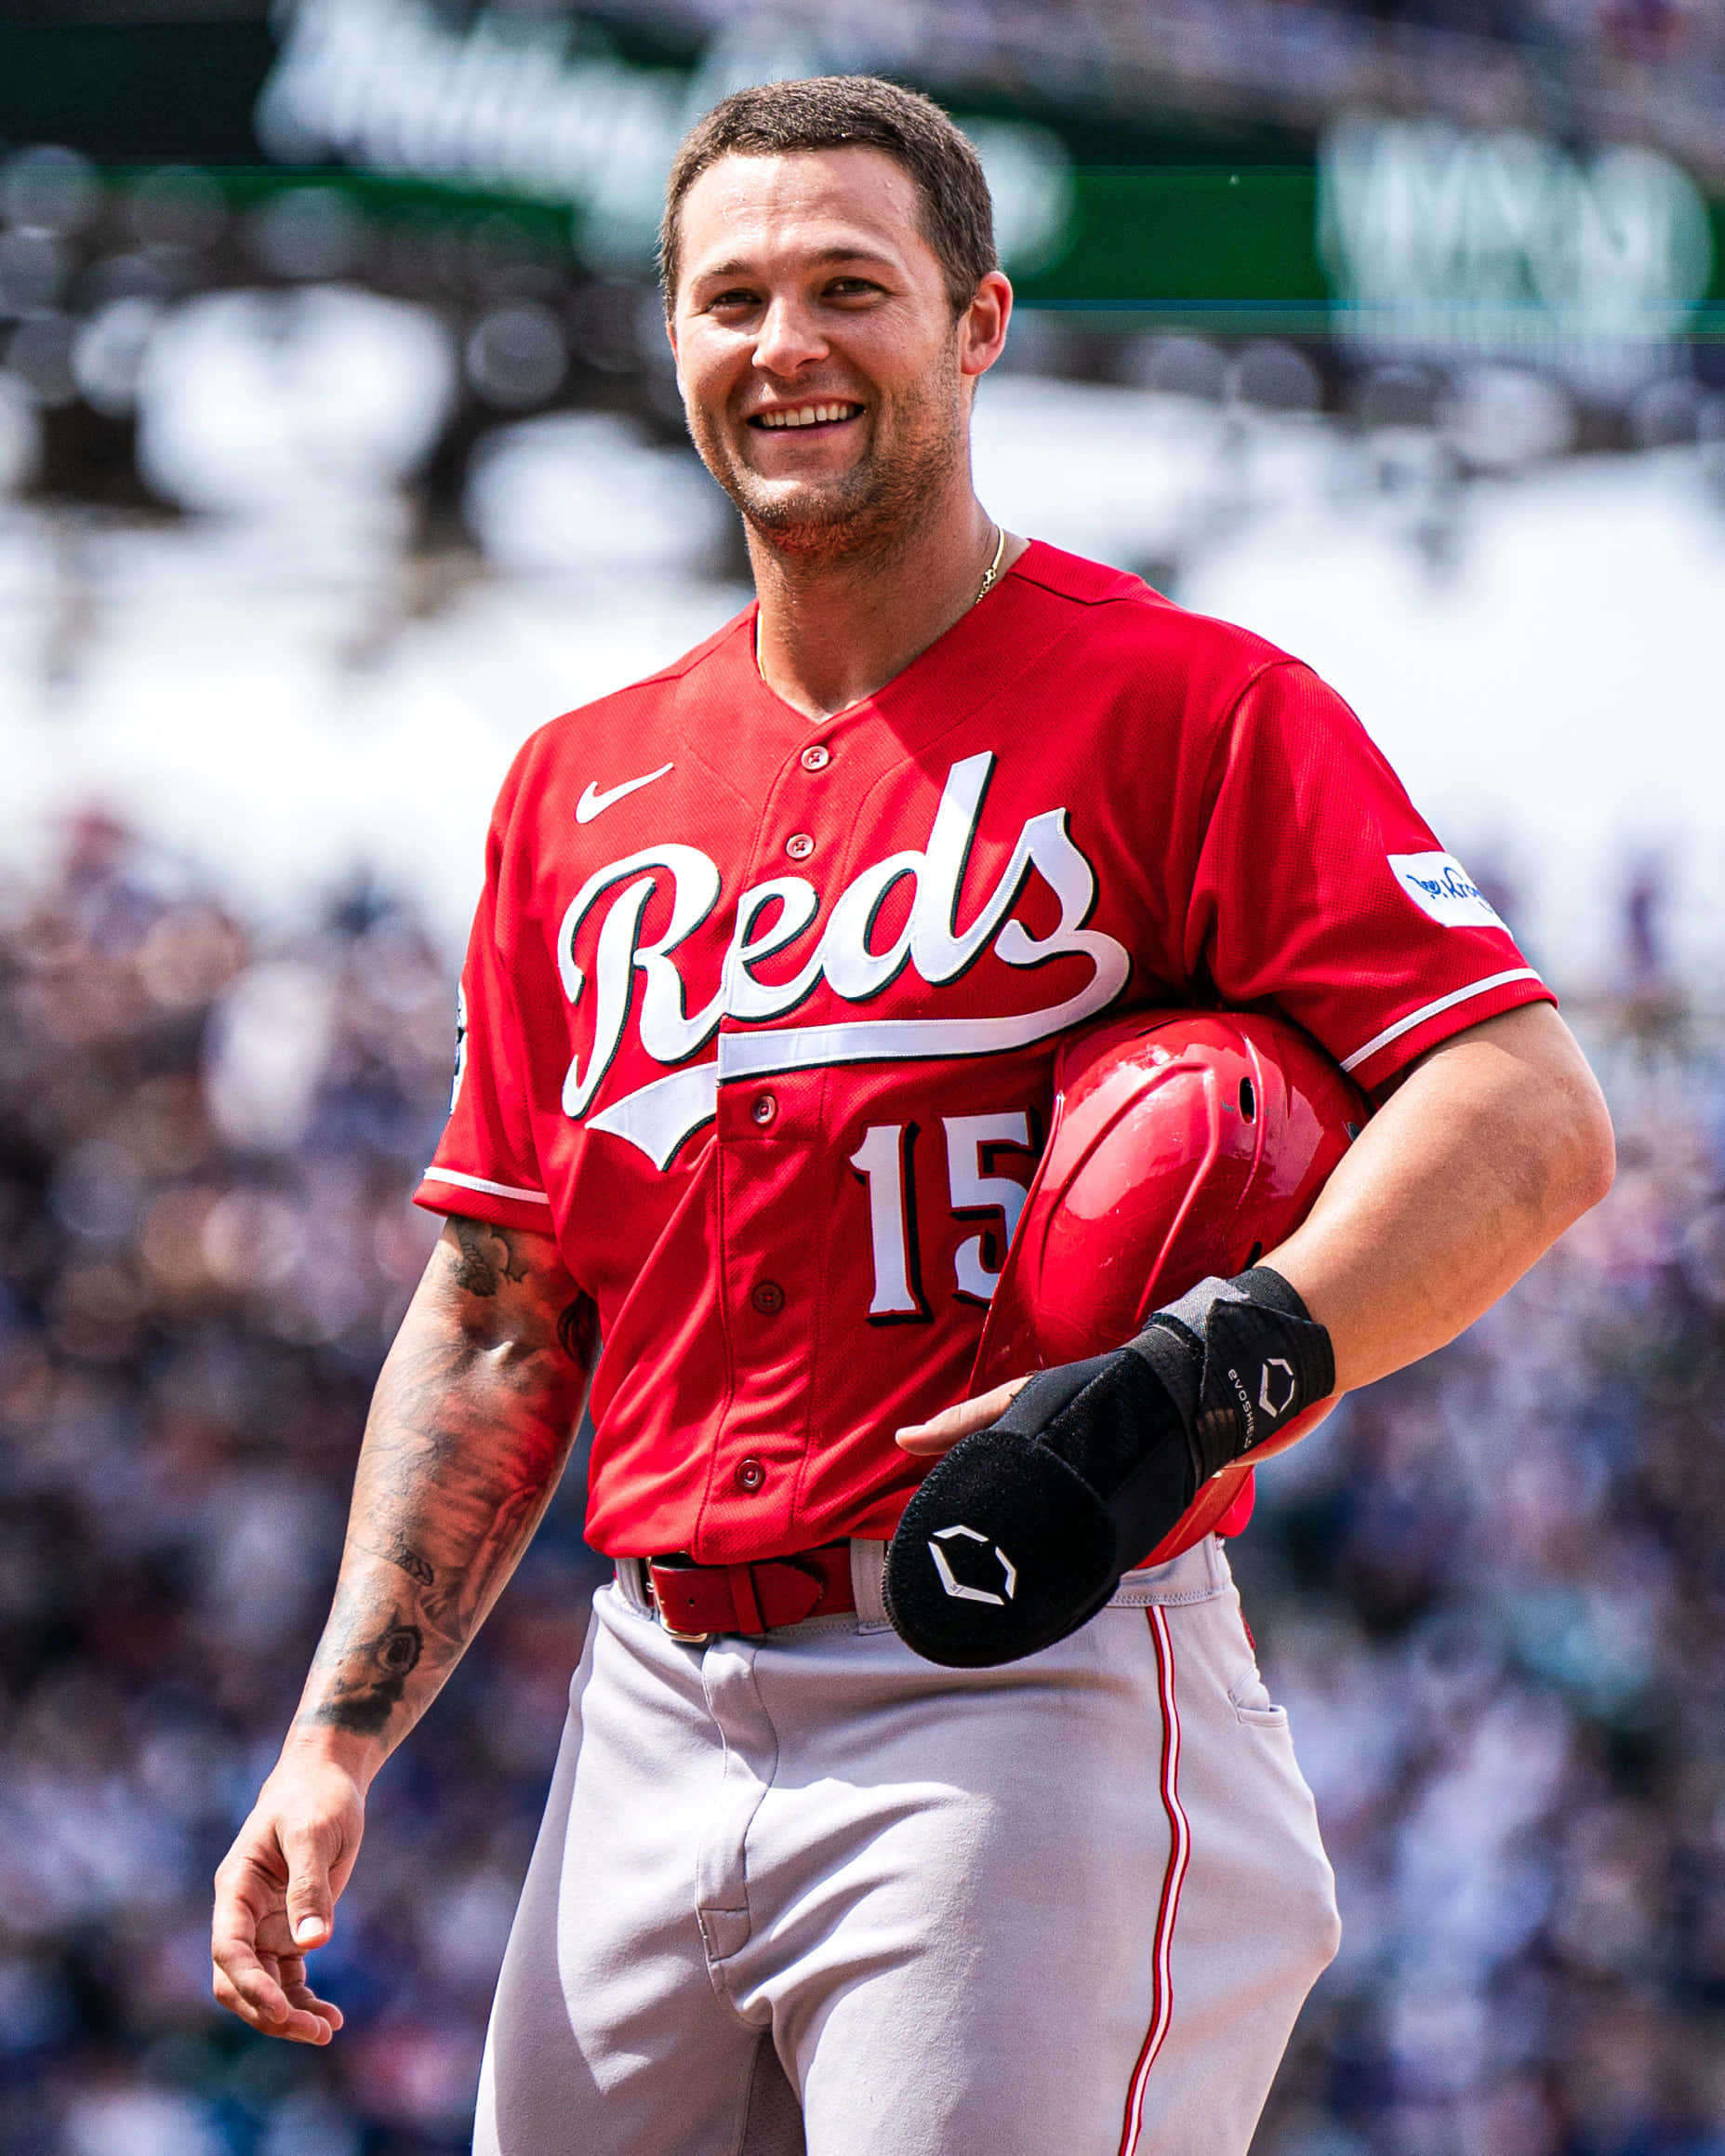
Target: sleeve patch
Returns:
[461, 1070]
[1439, 885]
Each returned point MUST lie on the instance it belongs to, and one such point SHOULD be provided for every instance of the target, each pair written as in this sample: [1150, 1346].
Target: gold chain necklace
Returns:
[992, 574]
[990, 577]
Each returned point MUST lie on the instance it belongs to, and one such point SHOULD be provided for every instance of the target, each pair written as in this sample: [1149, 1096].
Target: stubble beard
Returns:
[867, 515]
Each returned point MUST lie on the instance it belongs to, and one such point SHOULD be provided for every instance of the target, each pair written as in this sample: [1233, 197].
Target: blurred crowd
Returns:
[1493, 1593]
[1593, 70]
[207, 1141]
[1496, 1607]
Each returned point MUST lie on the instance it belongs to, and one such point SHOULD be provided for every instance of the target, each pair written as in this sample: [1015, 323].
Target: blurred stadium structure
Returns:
[337, 409]
[339, 445]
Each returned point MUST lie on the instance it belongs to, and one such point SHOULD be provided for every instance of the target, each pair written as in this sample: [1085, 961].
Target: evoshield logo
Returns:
[1276, 1387]
[658, 1116]
[1244, 1398]
[960, 1591]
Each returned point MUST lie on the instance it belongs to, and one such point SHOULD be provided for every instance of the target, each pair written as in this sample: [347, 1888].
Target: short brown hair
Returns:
[846, 112]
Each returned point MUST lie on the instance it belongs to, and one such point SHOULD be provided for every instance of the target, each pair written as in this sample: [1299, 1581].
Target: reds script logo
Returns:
[658, 1116]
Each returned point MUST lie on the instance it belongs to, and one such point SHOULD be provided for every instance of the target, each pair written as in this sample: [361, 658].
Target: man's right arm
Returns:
[471, 1425]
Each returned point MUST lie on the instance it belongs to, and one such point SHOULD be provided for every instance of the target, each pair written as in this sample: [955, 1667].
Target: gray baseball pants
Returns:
[807, 1892]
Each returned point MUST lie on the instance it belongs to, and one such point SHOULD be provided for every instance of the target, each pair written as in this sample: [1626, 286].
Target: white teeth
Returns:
[807, 416]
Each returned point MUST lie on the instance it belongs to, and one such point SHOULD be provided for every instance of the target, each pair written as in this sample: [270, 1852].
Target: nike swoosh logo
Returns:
[592, 803]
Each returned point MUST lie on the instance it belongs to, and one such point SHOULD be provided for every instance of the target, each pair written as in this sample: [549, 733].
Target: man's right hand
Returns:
[276, 1891]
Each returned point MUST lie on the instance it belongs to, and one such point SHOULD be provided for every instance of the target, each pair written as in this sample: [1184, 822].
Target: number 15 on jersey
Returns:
[976, 1190]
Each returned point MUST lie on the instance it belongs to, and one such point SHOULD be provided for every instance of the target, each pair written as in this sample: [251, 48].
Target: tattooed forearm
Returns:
[470, 1427]
[369, 1678]
[411, 1563]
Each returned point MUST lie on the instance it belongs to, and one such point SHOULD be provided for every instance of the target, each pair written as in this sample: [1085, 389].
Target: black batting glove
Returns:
[1020, 1534]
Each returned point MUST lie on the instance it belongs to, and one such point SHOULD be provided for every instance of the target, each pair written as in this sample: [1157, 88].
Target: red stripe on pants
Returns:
[1179, 1854]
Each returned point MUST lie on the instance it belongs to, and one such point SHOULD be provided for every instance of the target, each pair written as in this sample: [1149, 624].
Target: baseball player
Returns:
[846, 1850]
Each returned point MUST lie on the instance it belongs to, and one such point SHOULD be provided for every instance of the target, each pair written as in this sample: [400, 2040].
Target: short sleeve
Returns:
[1319, 888]
[485, 1165]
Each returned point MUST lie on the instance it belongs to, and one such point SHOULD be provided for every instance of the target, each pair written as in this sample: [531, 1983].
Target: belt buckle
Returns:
[670, 1631]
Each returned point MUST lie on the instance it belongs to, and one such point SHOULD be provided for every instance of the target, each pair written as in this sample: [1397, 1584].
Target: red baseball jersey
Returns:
[760, 1012]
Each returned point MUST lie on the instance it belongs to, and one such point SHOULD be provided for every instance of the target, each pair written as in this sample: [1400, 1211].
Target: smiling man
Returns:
[759, 1017]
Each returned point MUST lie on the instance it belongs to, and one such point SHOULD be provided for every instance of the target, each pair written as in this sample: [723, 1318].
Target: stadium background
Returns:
[338, 448]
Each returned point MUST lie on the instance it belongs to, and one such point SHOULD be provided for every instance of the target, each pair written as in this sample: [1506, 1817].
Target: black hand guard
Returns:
[1020, 1534]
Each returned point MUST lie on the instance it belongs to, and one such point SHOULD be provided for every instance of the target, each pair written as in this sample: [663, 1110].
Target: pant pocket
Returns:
[1249, 1697]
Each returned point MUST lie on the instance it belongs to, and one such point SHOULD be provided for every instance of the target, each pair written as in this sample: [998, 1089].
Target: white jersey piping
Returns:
[479, 1183]
[1431, 1010]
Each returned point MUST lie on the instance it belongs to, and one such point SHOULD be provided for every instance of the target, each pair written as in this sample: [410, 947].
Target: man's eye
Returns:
[851, 288]
[737, 297]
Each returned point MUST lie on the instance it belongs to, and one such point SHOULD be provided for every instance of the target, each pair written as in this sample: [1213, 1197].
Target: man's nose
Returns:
[789, 338]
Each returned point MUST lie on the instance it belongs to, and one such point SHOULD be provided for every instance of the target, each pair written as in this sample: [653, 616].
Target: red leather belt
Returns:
[696, 1601]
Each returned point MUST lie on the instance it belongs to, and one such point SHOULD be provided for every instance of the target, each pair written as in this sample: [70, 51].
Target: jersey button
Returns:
[763, 1109]
[750, 1476]
[817, 758]
[768, 1298]
[798, 845]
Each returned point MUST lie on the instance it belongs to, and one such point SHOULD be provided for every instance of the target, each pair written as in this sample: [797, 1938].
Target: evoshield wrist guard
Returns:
[1021, 1533]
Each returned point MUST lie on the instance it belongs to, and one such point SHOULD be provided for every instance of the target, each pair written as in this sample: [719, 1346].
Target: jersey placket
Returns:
[769, 1254]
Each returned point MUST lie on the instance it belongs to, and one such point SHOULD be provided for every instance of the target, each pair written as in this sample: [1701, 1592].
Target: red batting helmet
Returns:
[1184, 1143]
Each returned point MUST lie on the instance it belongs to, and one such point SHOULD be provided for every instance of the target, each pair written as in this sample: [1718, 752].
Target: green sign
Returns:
[1234, 248]
[1407, 237]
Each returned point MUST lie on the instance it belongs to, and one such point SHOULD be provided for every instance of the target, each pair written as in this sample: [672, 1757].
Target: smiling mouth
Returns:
[827, 415]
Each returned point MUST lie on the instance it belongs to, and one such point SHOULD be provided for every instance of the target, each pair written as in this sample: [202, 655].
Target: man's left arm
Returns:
[1492, 1144]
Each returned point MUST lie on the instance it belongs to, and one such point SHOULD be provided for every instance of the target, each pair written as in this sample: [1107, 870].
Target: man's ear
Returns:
[982, 328]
